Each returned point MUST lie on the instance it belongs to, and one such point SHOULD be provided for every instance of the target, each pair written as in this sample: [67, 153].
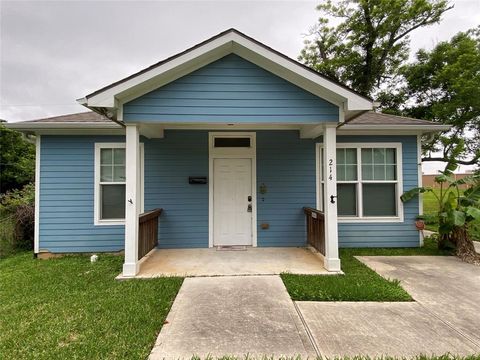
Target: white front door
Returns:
[232, 202]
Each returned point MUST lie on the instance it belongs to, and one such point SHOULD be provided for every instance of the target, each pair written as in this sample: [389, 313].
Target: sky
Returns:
[54, 52]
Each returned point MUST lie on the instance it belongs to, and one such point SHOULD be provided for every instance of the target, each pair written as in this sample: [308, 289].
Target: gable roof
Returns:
[230, 41]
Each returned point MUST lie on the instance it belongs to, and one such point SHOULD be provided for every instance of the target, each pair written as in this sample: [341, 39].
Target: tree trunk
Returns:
[465, 249]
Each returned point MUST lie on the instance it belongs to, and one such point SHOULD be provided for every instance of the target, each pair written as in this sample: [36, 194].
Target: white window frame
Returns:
[398, 189]
[97, 199]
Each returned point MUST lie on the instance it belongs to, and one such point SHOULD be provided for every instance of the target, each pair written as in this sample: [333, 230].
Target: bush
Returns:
[17, 220]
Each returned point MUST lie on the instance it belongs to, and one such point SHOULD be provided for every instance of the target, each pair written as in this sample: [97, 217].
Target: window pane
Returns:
[119, 156]
[119, 173]
[106, 156]
[350, 172]
[379, 200]
[232, 142]
[367, 172]
[367, 156]
[379, 156]
[350, 156]
[113, 202]
[341, 173]
[379, 172]
[340, 156]
[391, 172]
[390, 156]
[347, 199]
[106, 173]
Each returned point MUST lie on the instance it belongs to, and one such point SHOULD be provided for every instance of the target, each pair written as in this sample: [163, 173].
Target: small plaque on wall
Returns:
[197, 180]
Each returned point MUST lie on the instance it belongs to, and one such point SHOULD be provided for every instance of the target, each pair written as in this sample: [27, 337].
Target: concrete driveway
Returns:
[446, 287]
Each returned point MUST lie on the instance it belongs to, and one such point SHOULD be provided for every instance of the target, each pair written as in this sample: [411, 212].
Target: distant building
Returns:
[429, 179]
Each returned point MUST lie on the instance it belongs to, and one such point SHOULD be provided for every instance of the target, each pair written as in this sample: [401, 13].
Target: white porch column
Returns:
[132, 195]
[332, 261]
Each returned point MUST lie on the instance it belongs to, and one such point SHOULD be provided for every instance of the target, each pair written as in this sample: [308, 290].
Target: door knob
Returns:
[249, 198]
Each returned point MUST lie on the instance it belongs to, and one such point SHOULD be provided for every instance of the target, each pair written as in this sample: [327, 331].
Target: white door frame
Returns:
[232, 153]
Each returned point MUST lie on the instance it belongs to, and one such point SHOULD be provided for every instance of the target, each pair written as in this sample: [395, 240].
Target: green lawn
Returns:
[70, 308]
[359, 283]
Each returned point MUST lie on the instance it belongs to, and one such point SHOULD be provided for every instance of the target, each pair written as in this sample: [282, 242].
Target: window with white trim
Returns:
[368, 180]
[111, 185]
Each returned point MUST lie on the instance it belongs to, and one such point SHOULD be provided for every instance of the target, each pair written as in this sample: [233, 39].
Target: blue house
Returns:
[239, 145]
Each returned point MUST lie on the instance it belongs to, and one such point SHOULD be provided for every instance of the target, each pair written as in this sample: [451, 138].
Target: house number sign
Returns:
[330, 169]
[330, 177]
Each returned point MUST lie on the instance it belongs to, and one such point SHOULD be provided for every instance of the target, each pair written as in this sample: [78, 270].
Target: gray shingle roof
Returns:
[89, 116]
[374, 118]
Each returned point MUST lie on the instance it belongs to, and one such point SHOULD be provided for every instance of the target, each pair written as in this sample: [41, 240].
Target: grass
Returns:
[7, 226]
[359, 283]
[70, 308]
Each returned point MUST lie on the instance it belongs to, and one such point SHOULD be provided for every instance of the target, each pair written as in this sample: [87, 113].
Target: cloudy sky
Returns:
[53, 52]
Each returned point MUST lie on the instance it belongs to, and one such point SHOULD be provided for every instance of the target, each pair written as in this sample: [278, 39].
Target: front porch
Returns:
[236, 261]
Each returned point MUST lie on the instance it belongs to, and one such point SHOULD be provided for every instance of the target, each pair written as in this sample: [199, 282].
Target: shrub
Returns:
[17, 218]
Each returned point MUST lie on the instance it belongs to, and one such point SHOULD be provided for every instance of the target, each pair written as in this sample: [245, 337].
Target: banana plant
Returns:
[456, 208]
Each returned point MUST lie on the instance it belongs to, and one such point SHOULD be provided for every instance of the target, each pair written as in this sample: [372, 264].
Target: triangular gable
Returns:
[230, 90]
[112, 97]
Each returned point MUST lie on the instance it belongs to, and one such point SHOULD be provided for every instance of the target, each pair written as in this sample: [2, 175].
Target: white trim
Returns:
[96, 191]
[420, 182]
[36, 241]
[318, 180]
[427, 128]
[232, 153]
[230, 42]
[132, 200]
[399, 188]
[29, 125]
[331, 259]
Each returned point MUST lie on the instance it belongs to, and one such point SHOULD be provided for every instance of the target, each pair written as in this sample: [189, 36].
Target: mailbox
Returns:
[197, 180]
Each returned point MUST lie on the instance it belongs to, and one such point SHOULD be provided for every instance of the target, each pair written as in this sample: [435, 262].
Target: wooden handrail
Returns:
[315, 220]
[150, 215]
[148, 231]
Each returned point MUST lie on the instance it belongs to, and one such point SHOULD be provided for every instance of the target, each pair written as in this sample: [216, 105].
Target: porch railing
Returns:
[315, 229]
[148, 231]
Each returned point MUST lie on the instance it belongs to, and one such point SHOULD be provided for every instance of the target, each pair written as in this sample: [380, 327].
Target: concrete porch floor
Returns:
[213, 262]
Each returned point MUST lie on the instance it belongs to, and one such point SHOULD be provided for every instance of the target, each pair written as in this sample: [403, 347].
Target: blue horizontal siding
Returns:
[286, 165]
[66, 197]
[384, 234]
[230, 90]
[168, 164]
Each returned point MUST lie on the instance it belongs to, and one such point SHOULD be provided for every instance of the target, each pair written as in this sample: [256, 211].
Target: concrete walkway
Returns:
[232, 316]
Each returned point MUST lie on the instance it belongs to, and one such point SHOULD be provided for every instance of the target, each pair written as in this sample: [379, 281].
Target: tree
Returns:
[371, 41]
[17, 160]
[443, 85]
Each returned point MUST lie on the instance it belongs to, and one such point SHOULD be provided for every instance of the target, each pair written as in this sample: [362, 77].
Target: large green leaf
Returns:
[412, 193]
[457, 218]
[473, 212]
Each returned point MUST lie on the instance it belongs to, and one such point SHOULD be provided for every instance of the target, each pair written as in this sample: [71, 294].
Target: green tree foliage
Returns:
[17, 159]
[371, 41]
[443, 85]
